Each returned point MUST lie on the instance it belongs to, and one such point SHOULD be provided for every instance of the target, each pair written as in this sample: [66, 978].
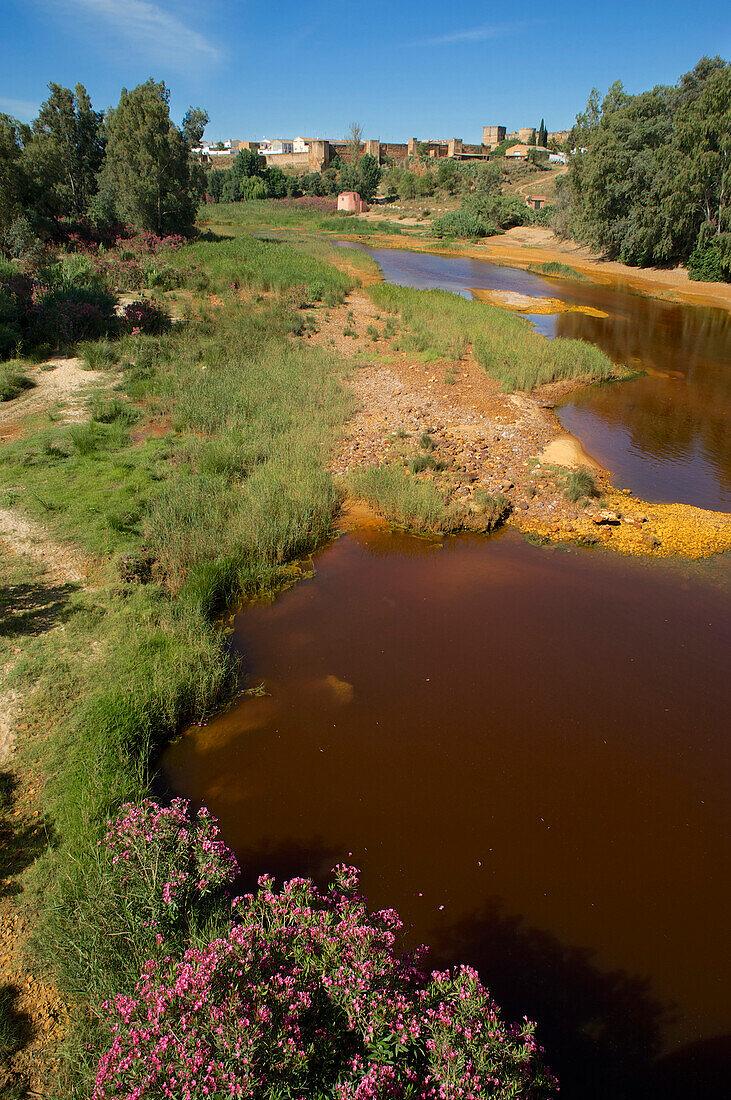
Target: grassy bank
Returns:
[507, 347]
[196, 476]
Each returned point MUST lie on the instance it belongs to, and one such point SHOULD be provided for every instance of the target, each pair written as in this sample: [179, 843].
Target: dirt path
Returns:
[535, 185]
[61, 382]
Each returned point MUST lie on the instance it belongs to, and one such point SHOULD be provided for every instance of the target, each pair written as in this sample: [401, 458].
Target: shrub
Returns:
[307, 995]
[12, 382]
[579, 484]
[68, 313]
[161, 865]
[144, 316]
[710, 262]
[461, 223]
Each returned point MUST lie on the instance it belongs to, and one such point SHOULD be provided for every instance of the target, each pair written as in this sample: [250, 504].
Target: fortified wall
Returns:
[320, 152]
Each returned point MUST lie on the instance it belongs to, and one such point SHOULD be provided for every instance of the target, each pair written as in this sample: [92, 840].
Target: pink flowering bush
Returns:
[144, 316]
[162, 865]
[307, 996]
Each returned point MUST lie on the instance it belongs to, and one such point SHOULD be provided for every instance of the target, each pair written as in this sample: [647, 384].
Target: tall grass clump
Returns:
[579, 484]
[559, 271]
[506, 346]
[405, 500]
[13, 382]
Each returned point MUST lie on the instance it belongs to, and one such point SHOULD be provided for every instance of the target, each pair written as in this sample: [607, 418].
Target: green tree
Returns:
[370, 176]
[543, 134]
[247, 163]
[67, 149]
[193, 126]
[13, 180]
[353, 142]
[147, 169]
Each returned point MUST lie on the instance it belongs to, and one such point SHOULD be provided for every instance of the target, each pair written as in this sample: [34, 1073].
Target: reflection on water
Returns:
[526, 751]
[666, 436]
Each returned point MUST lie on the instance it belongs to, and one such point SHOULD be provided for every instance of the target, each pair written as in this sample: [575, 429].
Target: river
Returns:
[526, 751]
[665, 435]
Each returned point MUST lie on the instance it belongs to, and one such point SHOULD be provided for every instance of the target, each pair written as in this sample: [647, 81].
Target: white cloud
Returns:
[481, 34]
[24, 109]
[149, 27]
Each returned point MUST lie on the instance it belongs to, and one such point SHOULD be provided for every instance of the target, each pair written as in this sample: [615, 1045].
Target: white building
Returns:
[269, 148]
[216, 148]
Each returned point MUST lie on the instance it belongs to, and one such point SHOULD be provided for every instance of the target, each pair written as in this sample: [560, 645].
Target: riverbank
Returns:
[484, 445]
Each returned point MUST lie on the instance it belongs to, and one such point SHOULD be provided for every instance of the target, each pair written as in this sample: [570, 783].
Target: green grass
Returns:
[403, 499]
[243, 261]
[259, 216]
[560, 271]
[176, 525]
[578, 485]
[492, 508]
[13, 382]
[423, 462]
[445, 325]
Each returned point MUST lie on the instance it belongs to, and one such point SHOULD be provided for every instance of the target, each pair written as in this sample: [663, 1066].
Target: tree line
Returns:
[651, 180]
[132, 164]
[250, 178]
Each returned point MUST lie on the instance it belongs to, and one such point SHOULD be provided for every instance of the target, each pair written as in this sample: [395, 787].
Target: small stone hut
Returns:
[351, 202]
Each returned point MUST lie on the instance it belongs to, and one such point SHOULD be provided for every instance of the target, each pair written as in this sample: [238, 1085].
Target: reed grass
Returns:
[507, 347]
[405, 499]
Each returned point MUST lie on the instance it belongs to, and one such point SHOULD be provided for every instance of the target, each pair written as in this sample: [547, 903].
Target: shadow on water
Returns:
[288, 859]
[602, 1030]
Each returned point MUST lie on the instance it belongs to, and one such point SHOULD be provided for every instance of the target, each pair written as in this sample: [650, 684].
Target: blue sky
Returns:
[425, 69]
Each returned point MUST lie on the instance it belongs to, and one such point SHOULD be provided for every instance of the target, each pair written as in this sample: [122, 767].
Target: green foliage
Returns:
[561, 271]
[461, 223]
[13, 179]
[193, 126]
[579, 484]
[246, 261]
[147, 171]
[656, 169]
[362, 176]
[422, 462]
[492, 508]
[542, 135]
[71, 136]
[12, 382]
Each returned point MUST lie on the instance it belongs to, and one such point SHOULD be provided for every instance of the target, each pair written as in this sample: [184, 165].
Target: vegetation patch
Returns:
[13, 382]
[508, 347]
[559, 271]
[404, 499]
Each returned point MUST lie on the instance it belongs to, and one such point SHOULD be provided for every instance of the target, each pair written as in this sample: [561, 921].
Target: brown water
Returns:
[527, 752]
[667, 435]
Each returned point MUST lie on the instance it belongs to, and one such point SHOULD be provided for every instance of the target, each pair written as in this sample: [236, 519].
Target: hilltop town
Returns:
[317, 154]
